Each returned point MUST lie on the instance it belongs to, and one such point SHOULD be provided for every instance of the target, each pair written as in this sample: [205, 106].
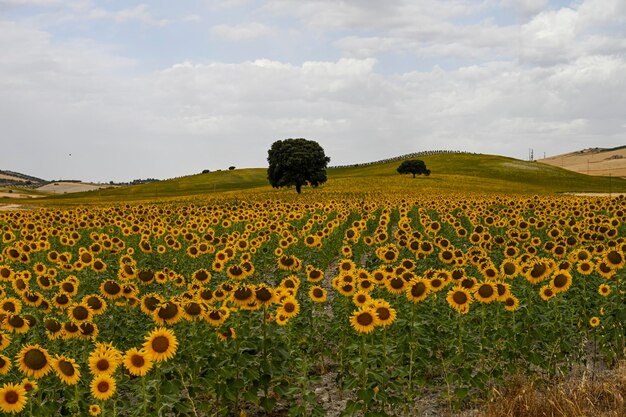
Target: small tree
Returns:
[296, 162]
[413, 166]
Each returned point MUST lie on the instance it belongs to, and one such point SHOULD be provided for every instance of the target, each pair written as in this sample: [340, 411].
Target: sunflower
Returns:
[70, 330]
[216, 316]
[32, 298]
[242, 295]
[161, 344]
[103, 362]
[66, 369]
[395, 285]
[34, 361]
[16, 324]
[137, 361]
[460, 299]
[111, 289]
[346, 265]
[604, 290]
[264, 295]
[5, 340]
[509, 269]
[45, 282]
[604, 270]
[537, 271]
[192, 310]
[387, 254]
[168, 312]
[546, 292]
[364, 320]
[226, 334]
[361, 298]
[96, 303]
[365, 284]
[504, 290]
[289, 263]
[594, 321]
[436, 284]
[511, 303]
[385, 314]
[469, 283]
[281, 320]
[54, 328]
[201, 276]
[317, 294]
[489, 272]
[150, 302]
[417, 290]
[88, 330]
[314, 275]
[28, 385]
[12, 398]
[585, 267]
[69, 286]
[94, 410]
[79, 313]
[561, 281]
[5, 364]
[614, 259]
[11, 305]
[103, 387]
[486, 292]
[346, 289]
[98, 265]
[290, 308]
[291, 281]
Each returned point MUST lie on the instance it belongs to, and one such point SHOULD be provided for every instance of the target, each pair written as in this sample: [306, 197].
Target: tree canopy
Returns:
[296, 162]
[413, 166]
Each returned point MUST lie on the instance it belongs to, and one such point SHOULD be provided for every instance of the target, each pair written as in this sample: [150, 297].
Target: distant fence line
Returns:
[402, 157]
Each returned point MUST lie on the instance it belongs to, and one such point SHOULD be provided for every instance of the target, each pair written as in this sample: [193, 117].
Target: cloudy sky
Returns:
[102, 90]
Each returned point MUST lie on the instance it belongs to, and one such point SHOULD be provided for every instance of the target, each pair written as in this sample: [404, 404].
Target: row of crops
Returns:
[225, 307]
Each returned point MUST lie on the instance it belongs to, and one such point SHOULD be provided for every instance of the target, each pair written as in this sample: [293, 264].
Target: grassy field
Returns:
[450, 173]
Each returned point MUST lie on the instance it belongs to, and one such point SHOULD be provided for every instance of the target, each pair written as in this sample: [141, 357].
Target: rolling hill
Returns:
[592, 161]
[451, 172]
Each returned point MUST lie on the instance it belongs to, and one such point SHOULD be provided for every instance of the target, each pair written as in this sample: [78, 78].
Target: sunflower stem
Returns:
[158, 390]
[264, 342]
[193, 404]
[364, 368]
[145, 396]
[411, 353]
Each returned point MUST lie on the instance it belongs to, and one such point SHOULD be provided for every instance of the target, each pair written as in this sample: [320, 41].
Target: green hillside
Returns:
[450, 173]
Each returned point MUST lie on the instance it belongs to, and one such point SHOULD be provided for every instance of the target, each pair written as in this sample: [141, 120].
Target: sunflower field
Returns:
[280, 306]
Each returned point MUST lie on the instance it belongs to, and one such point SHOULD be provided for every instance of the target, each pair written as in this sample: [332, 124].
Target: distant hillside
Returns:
[451, 172]
[15, 178]
[592, 161]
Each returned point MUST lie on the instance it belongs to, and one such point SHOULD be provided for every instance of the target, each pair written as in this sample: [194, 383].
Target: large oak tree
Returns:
[296, 162]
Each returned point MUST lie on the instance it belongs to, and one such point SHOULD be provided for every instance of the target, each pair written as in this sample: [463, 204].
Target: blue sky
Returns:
[163, 89]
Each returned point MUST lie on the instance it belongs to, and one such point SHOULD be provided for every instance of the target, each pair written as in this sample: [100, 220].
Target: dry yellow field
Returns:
[592, 161]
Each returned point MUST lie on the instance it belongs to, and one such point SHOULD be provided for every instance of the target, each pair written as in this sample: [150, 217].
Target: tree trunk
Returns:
[298, 188]
[413, 174]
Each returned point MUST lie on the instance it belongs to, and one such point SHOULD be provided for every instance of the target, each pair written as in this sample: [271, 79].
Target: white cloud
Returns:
[554, 82]
[242, 32]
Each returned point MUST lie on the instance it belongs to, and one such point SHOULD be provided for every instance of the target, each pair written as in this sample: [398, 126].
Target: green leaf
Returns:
[351, 408]
[365, 395]
[268, 403]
